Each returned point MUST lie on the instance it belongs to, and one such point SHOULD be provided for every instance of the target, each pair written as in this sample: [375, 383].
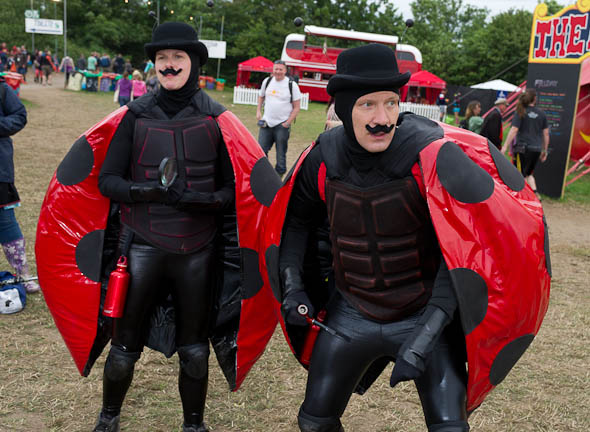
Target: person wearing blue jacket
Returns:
[13, 117]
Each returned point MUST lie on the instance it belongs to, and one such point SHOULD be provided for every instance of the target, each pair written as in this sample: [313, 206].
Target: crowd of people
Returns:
[44, 64]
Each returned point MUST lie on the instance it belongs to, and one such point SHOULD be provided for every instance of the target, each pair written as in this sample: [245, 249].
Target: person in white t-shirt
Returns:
[281, 98]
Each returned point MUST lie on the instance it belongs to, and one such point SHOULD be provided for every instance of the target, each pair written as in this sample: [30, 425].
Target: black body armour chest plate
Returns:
[193, 141]
[384, 247]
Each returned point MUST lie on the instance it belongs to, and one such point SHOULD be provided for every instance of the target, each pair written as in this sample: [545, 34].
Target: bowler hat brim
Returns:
[341, 82]
[197, 47]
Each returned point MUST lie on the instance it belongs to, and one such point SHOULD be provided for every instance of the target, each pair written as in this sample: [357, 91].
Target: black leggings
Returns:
[528, 162]
[337, 366]
[189, 279]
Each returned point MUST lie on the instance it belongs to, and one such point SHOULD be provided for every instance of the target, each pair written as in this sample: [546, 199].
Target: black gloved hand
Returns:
[293, 296]
[153, 191]
[198, 200]
[290, 304]
[414, 353]
[403, 371]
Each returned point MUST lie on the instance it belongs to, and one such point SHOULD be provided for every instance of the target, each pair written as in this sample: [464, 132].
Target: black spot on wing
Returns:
[463, 179]
[251, 278]
[264, 181]
[507, 358]
[472, 295]
[77, 164]
[89, 254]
[507, 172]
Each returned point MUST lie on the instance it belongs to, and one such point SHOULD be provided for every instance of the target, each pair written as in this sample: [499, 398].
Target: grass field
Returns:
[41, 390]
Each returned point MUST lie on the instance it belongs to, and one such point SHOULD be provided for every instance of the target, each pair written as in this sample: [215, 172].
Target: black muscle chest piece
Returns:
[193, 141]
[384, 247]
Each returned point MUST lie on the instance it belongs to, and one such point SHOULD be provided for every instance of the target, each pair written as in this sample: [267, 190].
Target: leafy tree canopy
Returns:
[461, 43]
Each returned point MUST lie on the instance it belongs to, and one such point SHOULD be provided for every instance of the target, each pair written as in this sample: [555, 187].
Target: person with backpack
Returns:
[105, 63]
[528, 138]
[47, 67]
[13, 117]
[472, 120]
[282, 100]
[67, 67]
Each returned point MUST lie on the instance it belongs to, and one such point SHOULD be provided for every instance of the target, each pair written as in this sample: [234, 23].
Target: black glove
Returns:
[199, 200]
[293, 296]
[153, 191]
[414, 353]
[403, 371]
[290, 304]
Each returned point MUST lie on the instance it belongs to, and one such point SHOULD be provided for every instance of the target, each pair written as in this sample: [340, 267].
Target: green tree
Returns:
[499, 49]
[552, 6]
[439, 29]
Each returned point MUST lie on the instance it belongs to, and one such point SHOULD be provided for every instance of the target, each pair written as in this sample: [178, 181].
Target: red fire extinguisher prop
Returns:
[315, 326]
[310, 338]
[117, 290]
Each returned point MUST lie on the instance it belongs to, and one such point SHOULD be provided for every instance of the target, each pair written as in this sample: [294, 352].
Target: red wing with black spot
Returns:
[71, 241]
[493, 237]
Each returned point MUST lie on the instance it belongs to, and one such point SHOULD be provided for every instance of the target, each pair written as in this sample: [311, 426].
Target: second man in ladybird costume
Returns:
[393, 295]
[413, 209]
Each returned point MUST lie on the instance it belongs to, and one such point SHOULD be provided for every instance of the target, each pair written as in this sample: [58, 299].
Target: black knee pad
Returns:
[120, 364]
[309, 423]
[451, 426]
[194, 359]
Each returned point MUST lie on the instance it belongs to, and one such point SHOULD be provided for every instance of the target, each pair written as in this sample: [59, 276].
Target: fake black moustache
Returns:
[170, 71]
[379, 128]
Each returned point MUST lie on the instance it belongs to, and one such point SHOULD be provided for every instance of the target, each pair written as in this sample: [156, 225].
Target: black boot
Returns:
[194, 428]
[309, 423]
[107, 424]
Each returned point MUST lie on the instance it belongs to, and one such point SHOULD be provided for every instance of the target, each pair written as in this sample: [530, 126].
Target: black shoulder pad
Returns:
[142, 104]
[332, 150]
[207, 105]
[413, 134]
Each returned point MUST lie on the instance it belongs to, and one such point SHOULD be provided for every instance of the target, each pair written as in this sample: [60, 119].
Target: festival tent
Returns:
[256, 64]
[497, 84]
[423, 80]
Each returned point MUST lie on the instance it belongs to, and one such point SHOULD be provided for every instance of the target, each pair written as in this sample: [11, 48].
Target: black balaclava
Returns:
[362, 159]
[172, 101]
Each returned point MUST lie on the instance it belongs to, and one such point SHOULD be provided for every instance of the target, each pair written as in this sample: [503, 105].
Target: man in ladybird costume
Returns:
[193, 279]
[439, 254]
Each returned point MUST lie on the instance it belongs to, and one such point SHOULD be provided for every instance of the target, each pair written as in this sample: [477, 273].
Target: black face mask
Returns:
[172, 101]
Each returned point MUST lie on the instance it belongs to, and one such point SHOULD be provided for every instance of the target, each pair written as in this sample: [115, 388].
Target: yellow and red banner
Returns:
[563, 37]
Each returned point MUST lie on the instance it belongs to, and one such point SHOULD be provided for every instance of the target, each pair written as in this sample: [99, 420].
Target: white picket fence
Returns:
[430, 111]
[248, 96]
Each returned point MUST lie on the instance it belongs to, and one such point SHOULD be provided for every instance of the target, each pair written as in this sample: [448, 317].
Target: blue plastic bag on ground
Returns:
[13, 296]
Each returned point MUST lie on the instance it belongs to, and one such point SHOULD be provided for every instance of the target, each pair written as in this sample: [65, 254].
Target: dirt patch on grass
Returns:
[41, 390]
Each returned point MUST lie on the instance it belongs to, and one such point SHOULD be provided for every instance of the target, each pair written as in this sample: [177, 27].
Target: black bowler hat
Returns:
[371, 66]
[176, 35]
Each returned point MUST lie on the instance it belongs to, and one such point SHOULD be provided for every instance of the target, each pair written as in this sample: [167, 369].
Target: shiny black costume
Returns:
[391, 290]
[171, 248]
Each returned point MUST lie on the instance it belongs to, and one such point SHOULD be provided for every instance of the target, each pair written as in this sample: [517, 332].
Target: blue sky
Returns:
[495, 6]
